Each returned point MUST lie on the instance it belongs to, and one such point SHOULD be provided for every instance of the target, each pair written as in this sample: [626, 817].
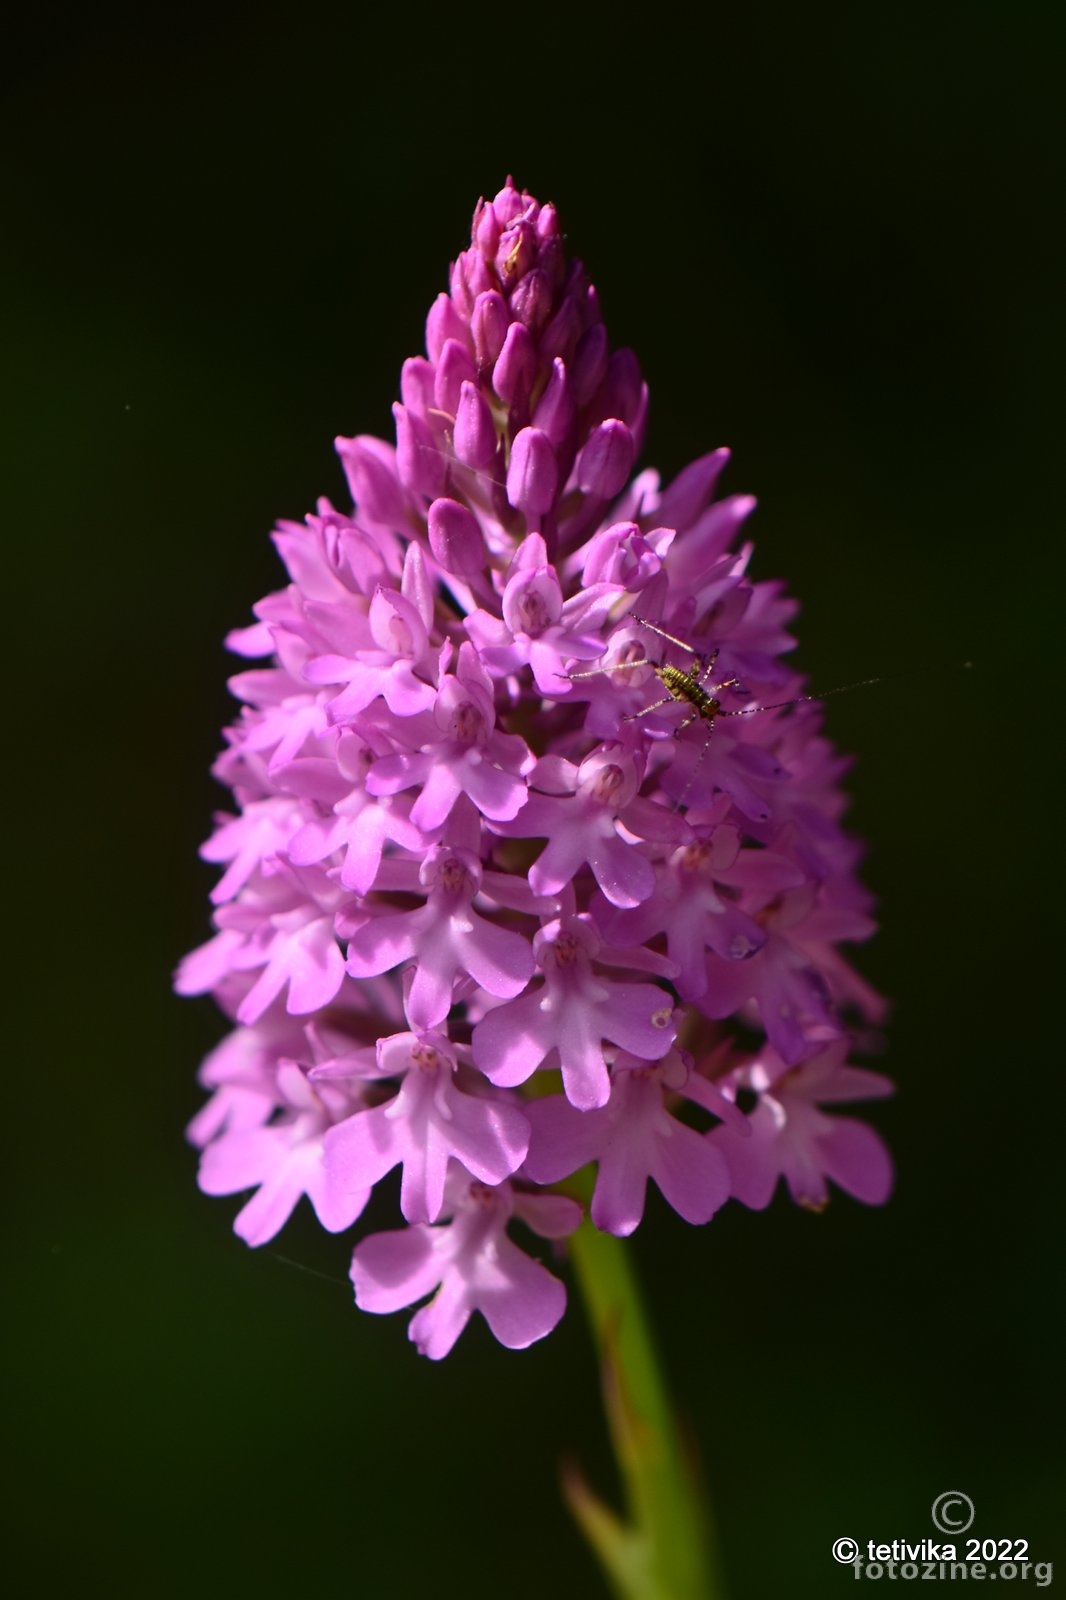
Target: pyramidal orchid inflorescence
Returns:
[488, 913]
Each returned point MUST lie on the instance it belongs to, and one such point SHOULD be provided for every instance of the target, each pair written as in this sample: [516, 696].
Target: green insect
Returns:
[688, 686]
[691, 687]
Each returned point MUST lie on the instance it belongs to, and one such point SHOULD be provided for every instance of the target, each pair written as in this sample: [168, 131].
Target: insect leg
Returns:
[697, 764]
[707, 666]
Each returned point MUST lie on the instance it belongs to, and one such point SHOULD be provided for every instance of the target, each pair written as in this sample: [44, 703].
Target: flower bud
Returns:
[456, 539]
[532, 475]
[606, 459]
[475, 431]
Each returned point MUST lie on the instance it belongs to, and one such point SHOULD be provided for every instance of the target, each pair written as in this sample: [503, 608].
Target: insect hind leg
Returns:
[698, 763]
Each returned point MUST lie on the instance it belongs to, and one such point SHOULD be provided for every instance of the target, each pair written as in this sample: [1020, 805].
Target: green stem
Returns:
[663, 1549]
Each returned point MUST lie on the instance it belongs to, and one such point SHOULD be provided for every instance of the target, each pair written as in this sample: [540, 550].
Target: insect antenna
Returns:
[779, 705]
[617, 666]
[842, 688]
[654, 628]
[690, 685]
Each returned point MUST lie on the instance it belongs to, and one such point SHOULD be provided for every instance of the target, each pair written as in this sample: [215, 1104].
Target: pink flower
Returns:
[444, 939]
[283, 1160]
[790, 1137]
[632, 1138]
[472, 1265]
[506, 803]
[593, 817]
[464, 755]
[571, 1014]
[429, 1123]
[538, 627]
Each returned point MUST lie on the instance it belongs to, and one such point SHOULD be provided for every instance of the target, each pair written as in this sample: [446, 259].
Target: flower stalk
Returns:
[663, 1550]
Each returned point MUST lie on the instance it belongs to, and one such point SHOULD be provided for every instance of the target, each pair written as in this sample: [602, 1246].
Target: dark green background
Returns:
[828, 234]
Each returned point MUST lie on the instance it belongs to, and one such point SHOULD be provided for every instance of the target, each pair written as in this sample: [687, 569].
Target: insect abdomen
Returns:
[680, 684]
[684, 686]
